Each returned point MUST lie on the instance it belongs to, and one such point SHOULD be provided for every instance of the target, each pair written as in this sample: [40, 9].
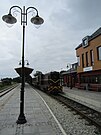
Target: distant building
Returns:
[89, 62]
[68, 78]
[0, 82]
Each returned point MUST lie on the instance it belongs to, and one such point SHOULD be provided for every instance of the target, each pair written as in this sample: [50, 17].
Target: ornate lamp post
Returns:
[11, 20]
[24, 62]
[69, 65]
[27, 63]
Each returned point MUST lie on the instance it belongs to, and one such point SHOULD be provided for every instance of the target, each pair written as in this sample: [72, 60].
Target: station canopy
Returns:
[27, 70]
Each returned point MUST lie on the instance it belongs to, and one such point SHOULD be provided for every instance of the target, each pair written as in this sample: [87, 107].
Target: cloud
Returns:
[53, 45]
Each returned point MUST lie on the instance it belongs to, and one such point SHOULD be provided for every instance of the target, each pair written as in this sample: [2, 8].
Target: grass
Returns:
[2, 87]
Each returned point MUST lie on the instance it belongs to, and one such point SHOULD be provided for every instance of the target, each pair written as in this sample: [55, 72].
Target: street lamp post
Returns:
[27, 63]
[70, 76]
[20, 62]
[11, 20]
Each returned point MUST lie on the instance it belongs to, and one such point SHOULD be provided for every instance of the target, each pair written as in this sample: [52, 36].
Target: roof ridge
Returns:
[97, 32]
[94, 35]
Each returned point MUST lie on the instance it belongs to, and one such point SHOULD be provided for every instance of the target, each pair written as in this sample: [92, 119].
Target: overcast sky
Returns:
[52, 46]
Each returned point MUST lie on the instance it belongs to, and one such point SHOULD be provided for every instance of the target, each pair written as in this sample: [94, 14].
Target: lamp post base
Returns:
[21, 119]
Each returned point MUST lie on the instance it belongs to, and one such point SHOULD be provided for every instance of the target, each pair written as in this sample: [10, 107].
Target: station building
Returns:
[89, 62]
[69, 77]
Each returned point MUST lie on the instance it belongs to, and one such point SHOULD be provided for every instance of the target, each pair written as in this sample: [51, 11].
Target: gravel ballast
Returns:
[72, 123]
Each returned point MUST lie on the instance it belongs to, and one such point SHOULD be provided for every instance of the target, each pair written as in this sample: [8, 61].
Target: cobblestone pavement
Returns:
[39, 119]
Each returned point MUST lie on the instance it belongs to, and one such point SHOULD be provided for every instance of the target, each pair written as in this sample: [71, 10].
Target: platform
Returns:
[40, 119]
[86, 97]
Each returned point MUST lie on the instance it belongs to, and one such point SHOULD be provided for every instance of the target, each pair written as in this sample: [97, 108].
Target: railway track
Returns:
[93, 116]
[7, 90]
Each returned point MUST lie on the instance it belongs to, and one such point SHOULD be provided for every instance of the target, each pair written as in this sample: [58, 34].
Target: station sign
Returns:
[87, 69]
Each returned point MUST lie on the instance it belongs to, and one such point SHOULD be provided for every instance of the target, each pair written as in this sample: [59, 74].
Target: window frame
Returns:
[99, 56]
[87, 64]
[91, 57]
[78, 60]
[85, 41]
[83, 60]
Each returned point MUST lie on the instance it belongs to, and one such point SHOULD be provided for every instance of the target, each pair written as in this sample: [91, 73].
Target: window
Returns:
[78, 60]
[86, 59]
[99, 79]
[91, 57]
[83, 60]
[99, 52]
[85, 41]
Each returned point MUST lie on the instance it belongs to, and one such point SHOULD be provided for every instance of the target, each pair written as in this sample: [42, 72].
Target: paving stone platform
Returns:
[40, 120]
[89, 98]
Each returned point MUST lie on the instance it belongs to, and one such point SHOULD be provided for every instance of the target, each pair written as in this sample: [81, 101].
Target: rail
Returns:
[7, 90]
[93, 116]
